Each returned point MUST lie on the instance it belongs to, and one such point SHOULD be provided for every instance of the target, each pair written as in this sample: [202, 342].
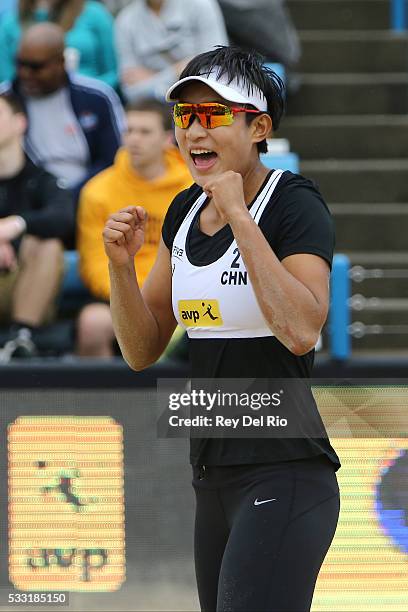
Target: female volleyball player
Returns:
[248, 251]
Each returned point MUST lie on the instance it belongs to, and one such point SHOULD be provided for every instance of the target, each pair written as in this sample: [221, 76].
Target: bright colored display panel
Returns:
[367, 565]
[66, 503]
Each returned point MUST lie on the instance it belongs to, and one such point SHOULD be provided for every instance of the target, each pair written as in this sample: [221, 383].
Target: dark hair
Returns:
[248, 68]
[152, 105]
[13, 101]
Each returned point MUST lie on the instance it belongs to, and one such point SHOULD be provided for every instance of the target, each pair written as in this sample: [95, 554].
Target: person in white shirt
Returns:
[156, 38]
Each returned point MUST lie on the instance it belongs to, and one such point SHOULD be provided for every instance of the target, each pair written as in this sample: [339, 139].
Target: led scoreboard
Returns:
[66, 503]
[366, 568]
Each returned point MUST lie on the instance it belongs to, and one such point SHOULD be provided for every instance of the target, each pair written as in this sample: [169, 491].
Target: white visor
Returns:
[233, 92]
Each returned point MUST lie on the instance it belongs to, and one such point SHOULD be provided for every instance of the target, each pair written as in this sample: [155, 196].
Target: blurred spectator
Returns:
[149, 172]
[156, 38]
[75, 123]
[6, 6]
[88, 28]
[115, 6]
[35, 213]
[265, 26]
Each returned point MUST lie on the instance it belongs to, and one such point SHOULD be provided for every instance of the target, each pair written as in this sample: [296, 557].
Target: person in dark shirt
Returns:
[36, 214]
[244, 267]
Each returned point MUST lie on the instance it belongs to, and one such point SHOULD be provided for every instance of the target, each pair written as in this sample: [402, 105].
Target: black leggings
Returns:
[262, 533]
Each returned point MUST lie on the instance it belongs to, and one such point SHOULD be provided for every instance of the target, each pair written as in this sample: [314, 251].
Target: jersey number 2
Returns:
[235, 263]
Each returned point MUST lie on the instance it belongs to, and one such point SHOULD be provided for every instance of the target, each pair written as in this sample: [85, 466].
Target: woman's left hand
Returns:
[227, 193]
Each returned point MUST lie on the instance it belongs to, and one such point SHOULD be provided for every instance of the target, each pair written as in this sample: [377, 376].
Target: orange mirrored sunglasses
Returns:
[210, 114]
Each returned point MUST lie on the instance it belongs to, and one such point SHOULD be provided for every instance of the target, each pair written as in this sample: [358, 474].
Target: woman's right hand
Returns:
[123, 235]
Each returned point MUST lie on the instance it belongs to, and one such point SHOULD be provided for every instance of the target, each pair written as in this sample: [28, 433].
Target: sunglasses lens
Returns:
[182, 115]
[209, 115]
[31, 65]
[219, 114]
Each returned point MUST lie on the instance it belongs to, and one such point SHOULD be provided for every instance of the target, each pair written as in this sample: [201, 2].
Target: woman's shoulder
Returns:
[295, 202]
[295, 190]
[292, 180]
[298, 220]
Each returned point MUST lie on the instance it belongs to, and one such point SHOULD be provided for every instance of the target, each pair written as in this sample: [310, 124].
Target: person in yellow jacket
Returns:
[147, 171]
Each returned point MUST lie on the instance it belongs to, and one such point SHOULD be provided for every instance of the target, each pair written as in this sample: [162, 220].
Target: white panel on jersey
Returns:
[217, 300]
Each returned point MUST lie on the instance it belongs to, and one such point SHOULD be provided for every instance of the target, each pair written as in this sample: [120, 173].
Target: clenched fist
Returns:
[123, 235]
[227, 193]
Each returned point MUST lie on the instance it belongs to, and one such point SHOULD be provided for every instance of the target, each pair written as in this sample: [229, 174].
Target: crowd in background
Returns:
[84, 131]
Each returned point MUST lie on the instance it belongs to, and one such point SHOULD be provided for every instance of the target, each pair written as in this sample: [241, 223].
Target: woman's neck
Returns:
[253, 181]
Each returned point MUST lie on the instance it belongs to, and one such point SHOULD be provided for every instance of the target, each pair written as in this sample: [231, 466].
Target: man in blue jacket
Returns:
[74, 123]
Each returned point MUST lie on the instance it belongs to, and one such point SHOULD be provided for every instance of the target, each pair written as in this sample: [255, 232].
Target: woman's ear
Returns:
[262, 127]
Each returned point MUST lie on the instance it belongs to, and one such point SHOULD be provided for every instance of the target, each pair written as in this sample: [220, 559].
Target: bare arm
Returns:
[143, 320]
[293, 294]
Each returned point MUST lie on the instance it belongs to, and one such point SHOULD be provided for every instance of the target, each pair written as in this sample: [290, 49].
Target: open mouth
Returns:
[203, 158]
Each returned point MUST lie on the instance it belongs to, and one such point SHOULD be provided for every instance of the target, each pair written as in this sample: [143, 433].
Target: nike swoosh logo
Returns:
[264, 501]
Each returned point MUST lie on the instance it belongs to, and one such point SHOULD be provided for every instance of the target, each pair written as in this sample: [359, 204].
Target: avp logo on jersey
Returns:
[200, 313]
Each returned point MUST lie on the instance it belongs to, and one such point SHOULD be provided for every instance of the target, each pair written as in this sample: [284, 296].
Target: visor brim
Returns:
[226, 92]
